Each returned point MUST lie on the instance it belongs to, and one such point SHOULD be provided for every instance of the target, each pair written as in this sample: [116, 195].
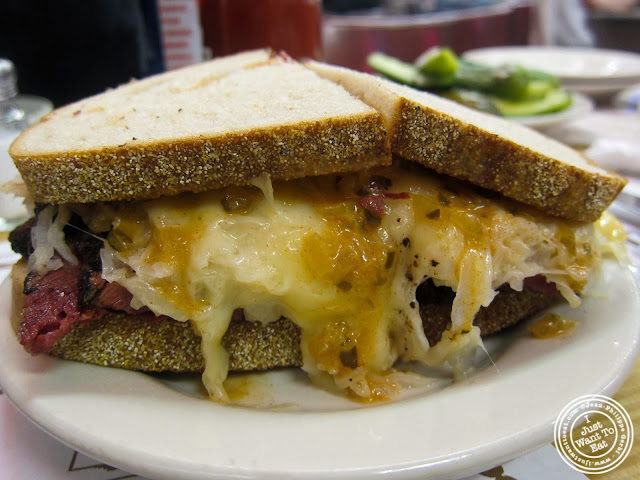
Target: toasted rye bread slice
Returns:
[486, 150]
[215, 124]
[135, 343]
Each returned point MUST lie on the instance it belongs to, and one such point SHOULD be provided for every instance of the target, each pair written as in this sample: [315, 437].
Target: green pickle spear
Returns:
[507, 90]
[554, 101]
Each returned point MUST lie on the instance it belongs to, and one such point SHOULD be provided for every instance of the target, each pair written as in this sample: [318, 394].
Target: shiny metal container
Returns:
[348, 39]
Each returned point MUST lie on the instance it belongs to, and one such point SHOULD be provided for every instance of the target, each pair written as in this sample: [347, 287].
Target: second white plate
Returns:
[591, 71]
[579, 107]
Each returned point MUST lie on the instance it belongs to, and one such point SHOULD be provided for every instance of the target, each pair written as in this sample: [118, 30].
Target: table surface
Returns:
[28, 452]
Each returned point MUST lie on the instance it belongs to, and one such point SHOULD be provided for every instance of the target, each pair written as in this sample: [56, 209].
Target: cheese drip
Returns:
[312, 253]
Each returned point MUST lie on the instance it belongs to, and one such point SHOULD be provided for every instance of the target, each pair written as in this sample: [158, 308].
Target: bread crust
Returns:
[208, 126]
[142, 170]
[488, 151]
[135, 343]
[465, 151]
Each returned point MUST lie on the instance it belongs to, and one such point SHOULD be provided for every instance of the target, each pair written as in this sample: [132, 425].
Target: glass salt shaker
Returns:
[17, 112]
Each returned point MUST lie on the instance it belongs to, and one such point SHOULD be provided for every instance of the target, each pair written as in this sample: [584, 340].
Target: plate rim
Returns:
[580, 105]
[559, 50]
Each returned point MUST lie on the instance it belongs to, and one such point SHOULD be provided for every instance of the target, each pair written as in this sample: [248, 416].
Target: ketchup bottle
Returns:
[294, 26]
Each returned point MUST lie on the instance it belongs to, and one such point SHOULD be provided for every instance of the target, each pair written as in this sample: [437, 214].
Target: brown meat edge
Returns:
[134, 343]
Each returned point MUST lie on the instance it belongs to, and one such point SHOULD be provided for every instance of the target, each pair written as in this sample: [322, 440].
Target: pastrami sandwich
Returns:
[252, 212]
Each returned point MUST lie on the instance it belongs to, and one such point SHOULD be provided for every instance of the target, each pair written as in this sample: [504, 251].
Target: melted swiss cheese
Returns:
[308, 250]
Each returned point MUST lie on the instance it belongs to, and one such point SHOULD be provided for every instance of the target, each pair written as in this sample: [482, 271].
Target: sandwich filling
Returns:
[341, 256]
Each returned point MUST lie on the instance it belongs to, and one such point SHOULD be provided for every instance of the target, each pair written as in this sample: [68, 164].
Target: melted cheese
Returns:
[306, 250]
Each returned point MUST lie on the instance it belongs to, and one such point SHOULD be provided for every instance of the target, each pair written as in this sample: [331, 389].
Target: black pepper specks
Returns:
[390, 258]
[349, 358]
[444, 201]
[434, 215]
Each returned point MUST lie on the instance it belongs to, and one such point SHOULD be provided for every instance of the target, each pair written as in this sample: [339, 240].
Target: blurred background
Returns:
[67, 49]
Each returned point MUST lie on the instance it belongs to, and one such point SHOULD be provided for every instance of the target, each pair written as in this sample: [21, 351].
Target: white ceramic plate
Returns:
[579, 107]
[590, 71]
[162, 428]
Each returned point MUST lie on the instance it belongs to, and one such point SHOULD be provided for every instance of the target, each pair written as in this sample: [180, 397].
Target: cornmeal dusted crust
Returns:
[144, 171]
[212, 125]
[508, 308]
[486, 150]
[464, 150]
[135, 343]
